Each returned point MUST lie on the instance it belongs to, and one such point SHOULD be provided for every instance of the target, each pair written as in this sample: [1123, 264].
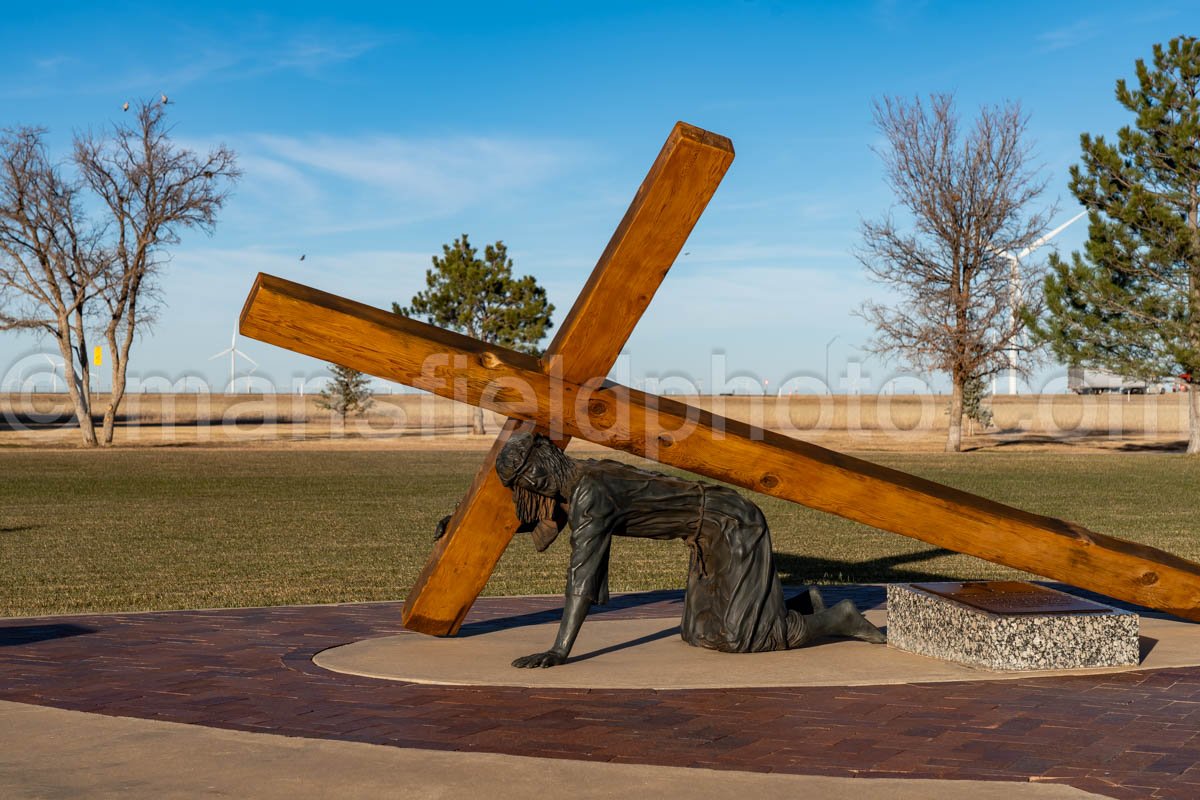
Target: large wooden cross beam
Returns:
[646, 243]
[566, 397]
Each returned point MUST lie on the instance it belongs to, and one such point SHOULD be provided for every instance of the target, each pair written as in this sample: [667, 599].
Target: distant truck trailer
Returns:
[1098, 381]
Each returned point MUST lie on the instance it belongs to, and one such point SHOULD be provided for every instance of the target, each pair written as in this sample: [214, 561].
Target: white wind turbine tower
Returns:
[1016, 290]
[54, 367]
[233, 354]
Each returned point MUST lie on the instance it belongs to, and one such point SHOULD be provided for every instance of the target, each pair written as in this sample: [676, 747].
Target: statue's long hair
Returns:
[532, 507]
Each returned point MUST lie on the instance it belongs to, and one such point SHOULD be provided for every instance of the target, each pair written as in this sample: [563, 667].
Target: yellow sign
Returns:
[97, 356]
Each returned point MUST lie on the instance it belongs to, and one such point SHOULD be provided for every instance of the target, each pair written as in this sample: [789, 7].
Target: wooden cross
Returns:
[565, 394]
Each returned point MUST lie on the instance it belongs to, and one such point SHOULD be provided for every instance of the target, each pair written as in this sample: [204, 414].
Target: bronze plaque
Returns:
[1012, 597]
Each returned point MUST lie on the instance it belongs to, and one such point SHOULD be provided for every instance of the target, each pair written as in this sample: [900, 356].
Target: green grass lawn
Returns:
[162, 529]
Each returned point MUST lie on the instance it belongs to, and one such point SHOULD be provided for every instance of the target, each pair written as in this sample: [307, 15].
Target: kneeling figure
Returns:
[734, 601]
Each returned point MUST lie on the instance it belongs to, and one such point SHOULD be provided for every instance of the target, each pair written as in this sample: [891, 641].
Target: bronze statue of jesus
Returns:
[734, 601]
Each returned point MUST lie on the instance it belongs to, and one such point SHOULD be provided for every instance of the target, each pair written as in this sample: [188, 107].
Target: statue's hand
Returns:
[440, 530]
[550, 658]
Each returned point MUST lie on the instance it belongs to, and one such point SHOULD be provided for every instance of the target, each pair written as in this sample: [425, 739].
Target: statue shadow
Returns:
[671, 600]
[1146, 644]
[30, 634]
[793, 570]
[886, 569]
[613, 648]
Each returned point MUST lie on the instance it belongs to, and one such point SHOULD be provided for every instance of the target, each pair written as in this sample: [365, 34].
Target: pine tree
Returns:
[481, 298]
[974, 394]
[1130, 303]
[348, 392]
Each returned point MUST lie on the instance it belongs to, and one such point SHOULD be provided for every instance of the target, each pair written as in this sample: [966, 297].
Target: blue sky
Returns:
[370, 135]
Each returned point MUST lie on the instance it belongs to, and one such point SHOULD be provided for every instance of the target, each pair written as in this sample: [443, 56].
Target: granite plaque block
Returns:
[1009, 625]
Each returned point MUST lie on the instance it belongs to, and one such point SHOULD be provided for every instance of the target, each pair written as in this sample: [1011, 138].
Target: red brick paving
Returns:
[1133, 734]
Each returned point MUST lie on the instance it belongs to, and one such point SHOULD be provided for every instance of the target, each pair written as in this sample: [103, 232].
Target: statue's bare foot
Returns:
[860, 627]
[869, 633]
[549, 658]
[814, 597]
[851, 622]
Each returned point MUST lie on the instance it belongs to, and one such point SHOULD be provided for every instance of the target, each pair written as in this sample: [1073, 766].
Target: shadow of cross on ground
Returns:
[797, 569]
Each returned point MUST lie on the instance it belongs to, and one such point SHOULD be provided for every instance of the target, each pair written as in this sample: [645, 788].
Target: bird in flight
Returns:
[126, 106]
[302, 256]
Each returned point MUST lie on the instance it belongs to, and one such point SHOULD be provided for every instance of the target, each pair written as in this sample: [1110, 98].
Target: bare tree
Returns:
[967, 199]
[50, 257]
[152, 190]
[66, 271]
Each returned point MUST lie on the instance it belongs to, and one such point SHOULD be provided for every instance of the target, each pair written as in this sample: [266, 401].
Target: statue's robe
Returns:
[734, 602]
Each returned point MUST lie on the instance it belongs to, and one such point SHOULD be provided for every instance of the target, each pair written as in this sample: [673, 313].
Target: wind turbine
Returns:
[1016, 290]
[233, 354]
[53, 374]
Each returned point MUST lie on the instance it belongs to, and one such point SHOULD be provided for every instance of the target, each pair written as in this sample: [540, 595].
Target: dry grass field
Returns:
[159, 528]
[906, 423]
[242, 500]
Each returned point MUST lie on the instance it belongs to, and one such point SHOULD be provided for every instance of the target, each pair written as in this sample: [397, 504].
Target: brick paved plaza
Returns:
[1130, 734]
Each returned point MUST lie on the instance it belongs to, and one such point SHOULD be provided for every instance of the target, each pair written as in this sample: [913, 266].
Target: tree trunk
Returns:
[954, 436]
[1193, 384]
[120, 369]
[110, 418]
[114, 397]
[477, 422]
[1194, 417]
[77, 389]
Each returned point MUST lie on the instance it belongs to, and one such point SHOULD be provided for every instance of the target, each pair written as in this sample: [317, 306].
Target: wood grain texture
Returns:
[463, 560]
[646, 243]
[445, 363]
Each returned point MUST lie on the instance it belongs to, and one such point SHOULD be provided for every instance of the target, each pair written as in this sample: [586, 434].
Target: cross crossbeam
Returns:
[451, 365]
[564, 395]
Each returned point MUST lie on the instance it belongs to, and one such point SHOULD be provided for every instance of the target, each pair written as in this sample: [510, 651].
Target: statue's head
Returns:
[532, 462]
[539, 475]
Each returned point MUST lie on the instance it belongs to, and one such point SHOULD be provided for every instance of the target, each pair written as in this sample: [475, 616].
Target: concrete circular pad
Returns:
[648, 654]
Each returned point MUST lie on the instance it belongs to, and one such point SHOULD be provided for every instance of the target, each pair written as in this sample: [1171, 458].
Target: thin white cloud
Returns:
[195, 57]
[455, 171]
[275, 176]
[1073, 35]
[892, 14]
[327, 185]
[52, 63]
[254, 55]
[308, 52]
